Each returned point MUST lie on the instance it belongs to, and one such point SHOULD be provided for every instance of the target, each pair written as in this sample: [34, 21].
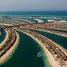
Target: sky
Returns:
[32, 5]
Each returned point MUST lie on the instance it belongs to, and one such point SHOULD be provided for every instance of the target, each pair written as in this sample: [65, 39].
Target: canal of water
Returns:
[2, 36]
[64, 31]
[56, 38]
[26, 54]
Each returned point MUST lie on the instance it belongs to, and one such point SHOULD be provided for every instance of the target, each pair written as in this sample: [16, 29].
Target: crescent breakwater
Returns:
[59, 56]
[9, 42]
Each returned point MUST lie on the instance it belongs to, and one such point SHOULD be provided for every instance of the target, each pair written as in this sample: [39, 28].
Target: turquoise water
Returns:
[26, 54]
[62, 14]
[31, 19]
[56, 38]
[2, 36]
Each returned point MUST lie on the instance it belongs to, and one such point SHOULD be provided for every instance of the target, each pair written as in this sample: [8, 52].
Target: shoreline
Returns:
[4, 39]
[58, 45]
[50, 32]
[61, 47]
[10, 52]
[50, 58]
[58, 29]
[55, 33]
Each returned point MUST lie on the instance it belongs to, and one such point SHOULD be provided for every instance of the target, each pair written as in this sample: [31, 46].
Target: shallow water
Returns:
[64, 31]
[56, 38]
[2, 36]
[26, 54]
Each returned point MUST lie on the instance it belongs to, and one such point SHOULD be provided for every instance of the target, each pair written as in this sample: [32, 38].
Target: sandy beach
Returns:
[55, 33]
[51, 32]
[64, 50]
[58, 45]
[50, 58]
[4, 39]
[10, 52]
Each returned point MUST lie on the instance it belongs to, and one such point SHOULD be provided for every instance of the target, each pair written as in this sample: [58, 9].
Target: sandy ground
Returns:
[59, 29]
[64, 50]
[58, 45]
[50, 58]
[5, 38]
[6, 56]
[50, 32]
[55, 33]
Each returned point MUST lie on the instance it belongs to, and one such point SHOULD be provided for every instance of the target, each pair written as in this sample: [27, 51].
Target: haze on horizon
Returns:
[32, 5]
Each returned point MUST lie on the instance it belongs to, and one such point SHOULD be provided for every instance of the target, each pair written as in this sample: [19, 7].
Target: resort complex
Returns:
[50, 34]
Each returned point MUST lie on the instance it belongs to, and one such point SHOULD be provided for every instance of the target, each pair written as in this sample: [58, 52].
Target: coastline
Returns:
[51, 32]
[63, 49]
[10, 52]
[55, 33]
[4, 39]
[58, 45]
[50, 58]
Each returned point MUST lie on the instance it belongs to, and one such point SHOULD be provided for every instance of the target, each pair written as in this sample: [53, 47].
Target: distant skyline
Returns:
[33, 5]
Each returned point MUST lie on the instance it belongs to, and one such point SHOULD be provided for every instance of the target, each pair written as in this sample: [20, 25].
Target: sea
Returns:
[35, 13]
[2, 35]
[25, 54]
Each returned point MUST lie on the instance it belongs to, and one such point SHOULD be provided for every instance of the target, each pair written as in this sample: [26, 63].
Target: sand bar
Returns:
[4, 39]
[50, 58]
[6, 56]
